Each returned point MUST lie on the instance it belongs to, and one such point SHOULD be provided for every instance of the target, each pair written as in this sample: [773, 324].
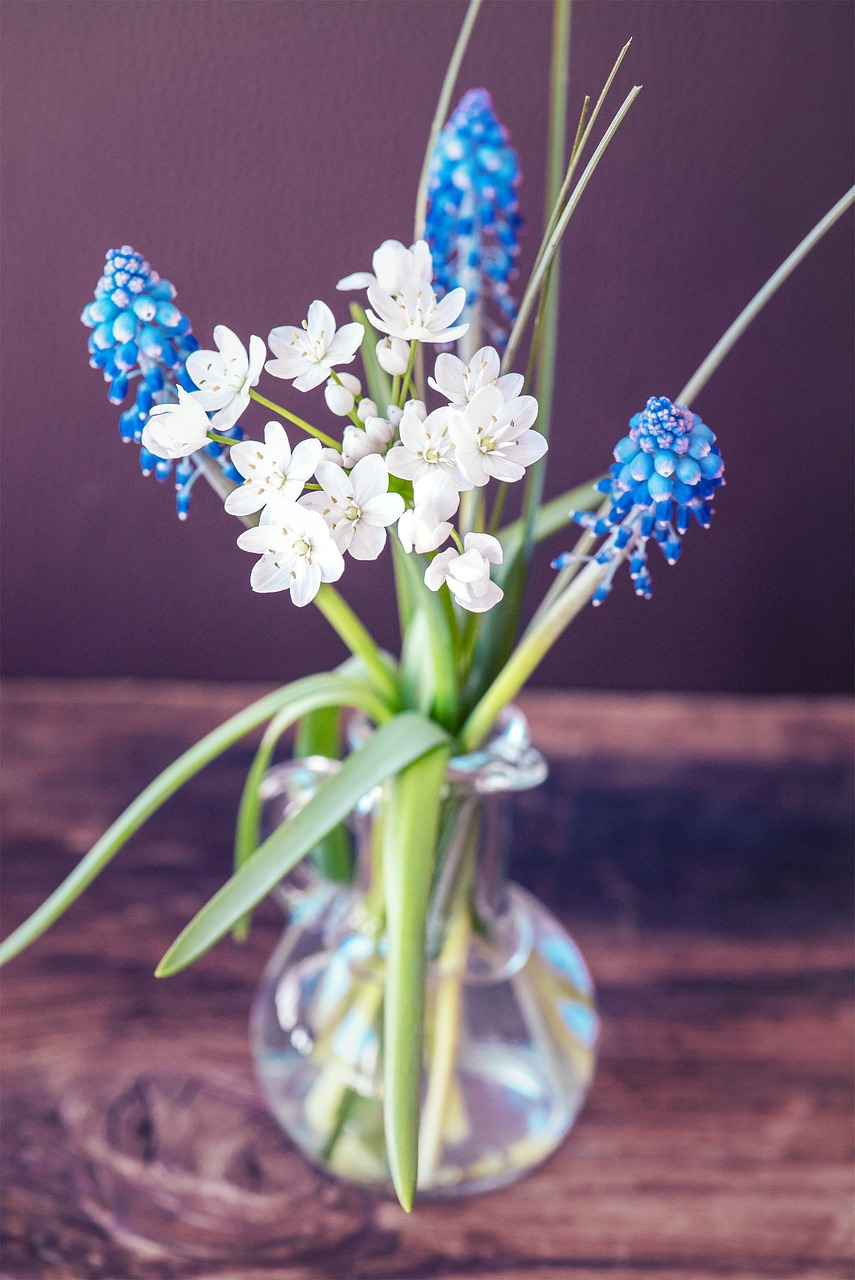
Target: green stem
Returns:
[408, 377]
[527, 655]
[440, 114]
[147, 802]
[583, 133]
[539, 273]
[344, 621]
[702, 375]
[298, 422]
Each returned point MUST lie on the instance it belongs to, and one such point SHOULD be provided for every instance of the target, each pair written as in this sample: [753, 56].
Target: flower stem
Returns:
[702, 375]
[441, 112]
[540, 270]
[408, 377]
[529, 652]
[344, 621]
[298, 422]
[224, 440]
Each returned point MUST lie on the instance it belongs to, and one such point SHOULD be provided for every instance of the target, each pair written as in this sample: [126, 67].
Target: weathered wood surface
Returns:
[700, 850]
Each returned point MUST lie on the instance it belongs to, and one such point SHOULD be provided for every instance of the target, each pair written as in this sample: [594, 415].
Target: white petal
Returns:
[530, 447]
[279, 340]
[391, 263]
[257, 352]
[357, 280]
[231, 348]
[488, 547]
[276, 445]
[480, 604]
[305, 581]
[304, 459]
[312, 376]
[269, 575]
[345, 344]
[229, 414]
[437, 570]
[320, 321]
[402, 462]
[330, 560]
[335, 482]
[510, 385]
[383, 510]
[244, 500]
[289, 365]
[368, 541]
[449, 309]
[500, 467]
[264, 539]
[369, 478]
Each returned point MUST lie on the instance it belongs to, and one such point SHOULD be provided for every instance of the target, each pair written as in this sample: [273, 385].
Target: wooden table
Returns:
[700, 850]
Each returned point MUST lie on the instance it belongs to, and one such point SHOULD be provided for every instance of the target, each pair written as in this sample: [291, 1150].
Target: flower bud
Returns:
[339, 400]
[366, 409]
[393, 355]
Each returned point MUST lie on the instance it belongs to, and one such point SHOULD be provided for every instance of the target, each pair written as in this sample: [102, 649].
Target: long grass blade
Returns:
[408, 859]
[148, 802]
[392, 747]
[702, 375]
[538, 275]
[440, 114]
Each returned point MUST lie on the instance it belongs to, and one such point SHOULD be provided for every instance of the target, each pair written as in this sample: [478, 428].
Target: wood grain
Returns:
[700, 850]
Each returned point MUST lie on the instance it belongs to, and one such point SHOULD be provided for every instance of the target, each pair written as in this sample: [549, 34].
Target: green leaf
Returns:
[441, 650]
[146, 803]
[319, 734]
[394, 745]
[317, 692]
[379, 386]
[408, 860]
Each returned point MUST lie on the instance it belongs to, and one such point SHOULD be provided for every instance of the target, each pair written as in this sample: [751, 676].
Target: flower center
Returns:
[301, 547]
[352, 513]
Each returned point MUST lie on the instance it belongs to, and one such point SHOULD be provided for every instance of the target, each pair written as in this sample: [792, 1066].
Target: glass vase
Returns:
[510, 1020]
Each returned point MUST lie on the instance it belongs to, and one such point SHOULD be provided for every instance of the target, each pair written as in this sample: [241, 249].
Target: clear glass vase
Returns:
[510, 1020]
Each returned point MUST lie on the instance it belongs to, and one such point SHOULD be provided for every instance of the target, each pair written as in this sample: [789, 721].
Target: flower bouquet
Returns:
[423, 1023]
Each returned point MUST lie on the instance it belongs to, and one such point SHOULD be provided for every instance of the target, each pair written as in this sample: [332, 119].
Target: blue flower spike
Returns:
[473, 222]
[665, 472]
[139, 335]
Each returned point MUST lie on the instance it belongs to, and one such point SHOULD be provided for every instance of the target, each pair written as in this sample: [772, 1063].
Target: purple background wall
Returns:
[256, 151]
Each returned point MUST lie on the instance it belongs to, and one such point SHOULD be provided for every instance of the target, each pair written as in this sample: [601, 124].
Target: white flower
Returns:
[393, 355]
[272, 473]
[297, 551]
[468, 575]
[357, 507]
[375, 438]
[415, 312]
[427, 526]
[341, 395]
[458, 382]
[366, 409]
[492, 436]
[176, 430]
[426, 448]
[225, 376]
[309, 354]
[394, 266]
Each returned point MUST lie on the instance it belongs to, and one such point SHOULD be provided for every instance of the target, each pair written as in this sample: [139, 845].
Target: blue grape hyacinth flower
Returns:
[473, 222]
[665, 473]
[139, 335]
